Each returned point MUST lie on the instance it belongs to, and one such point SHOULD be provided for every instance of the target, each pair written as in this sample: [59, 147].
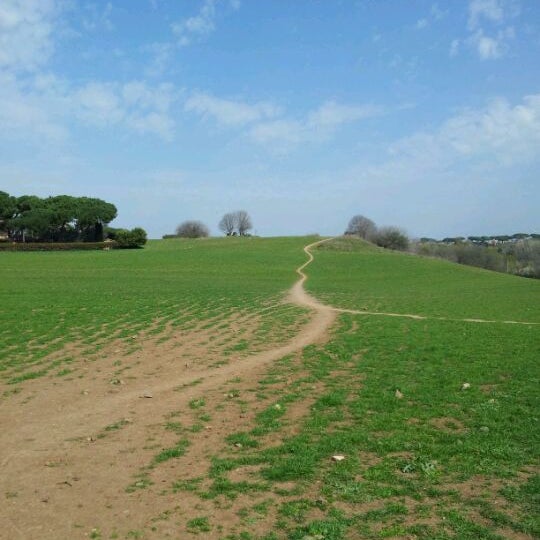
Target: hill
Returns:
[176, 392]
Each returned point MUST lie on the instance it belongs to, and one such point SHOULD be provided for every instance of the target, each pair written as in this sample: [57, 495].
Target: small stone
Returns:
[115, 381]
[492, 400]
[484, 429]
[208, 427]
[398, 394]
[337, 458]
[90, 439]
[85, 392]
[465, 386]
[277, 406]
[147, 394]
[238, 445]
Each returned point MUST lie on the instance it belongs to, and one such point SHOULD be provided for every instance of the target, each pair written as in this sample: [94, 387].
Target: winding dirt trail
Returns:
[59, 478]
[57, 474]
[428, 317]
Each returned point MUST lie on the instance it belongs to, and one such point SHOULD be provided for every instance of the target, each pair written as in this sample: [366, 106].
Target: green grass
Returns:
[403, 463]
[353, 274]
[49, 300]
[411, 463]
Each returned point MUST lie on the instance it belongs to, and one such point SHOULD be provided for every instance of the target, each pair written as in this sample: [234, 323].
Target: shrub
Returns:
[55, 246]
[192, 229]
[391, 238]
[131, 239]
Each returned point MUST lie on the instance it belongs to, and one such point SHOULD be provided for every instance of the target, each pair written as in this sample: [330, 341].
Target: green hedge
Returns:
[55, 246]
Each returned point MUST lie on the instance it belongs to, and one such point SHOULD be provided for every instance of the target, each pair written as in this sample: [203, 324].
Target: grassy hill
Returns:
[436, 419]
[353, 274]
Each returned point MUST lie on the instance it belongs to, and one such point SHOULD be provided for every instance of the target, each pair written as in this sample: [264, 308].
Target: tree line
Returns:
[513, 255]
[517, 254]
[62, 219]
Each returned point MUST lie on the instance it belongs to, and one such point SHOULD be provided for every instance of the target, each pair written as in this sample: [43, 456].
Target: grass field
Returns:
[49, 300]
[437, 420]
[353, 274]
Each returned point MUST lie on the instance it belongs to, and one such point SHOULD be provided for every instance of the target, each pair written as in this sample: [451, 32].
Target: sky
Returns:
[419, 114]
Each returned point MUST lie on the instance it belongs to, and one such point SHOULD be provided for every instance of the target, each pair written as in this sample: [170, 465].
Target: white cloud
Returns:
[229, 112]
[491, 10]
[26, 33]
[45, 108]
[97, 104]
[197, 27]
[135, 105]
[488, 47]
[161, 54]
[493, 42]
[96, 19]
[25, 114]
[437, 13]
[153, 123]
[332, 114]
[281, 134]
[421, 24]
[500, 134]
[318, 125]
[454, 47]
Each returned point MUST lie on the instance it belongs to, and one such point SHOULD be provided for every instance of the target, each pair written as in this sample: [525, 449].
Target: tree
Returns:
[243, 222]
[361, 226]
[8, 207]
[239, 221]
[35, 223]
[392, 238]
[92, 215]
[61, 218]
[192, 229]
[227, 224]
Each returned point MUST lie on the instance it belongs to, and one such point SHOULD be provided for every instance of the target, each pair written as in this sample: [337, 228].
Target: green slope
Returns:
[356, 275]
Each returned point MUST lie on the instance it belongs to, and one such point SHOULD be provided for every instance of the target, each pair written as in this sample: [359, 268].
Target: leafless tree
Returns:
[361, 226]
[192, 229]
[243, 222]
[234, 222]
[228, 223]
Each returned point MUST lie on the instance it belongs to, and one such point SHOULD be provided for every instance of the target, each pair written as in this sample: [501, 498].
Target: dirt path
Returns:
[64, 469]
[59, 478]
[428, 318]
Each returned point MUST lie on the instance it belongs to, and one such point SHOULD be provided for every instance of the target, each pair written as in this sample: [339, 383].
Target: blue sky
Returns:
[420, 114]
